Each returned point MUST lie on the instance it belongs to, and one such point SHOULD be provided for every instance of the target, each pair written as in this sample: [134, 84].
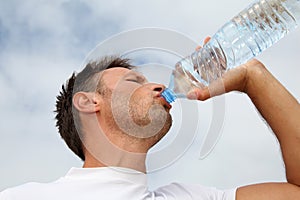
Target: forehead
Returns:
[115, 72]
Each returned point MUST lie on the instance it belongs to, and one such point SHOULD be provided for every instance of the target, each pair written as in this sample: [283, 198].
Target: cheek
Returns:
[133, 101]
[141, 101]
[123, 95]
[138, 114]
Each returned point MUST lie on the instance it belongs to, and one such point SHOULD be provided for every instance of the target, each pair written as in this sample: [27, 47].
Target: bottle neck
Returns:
[169, 95]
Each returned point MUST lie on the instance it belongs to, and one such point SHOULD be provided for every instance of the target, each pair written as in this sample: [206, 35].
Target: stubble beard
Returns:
[139, 118]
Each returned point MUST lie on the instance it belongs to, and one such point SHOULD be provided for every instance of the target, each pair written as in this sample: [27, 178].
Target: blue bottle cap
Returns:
[168, 95]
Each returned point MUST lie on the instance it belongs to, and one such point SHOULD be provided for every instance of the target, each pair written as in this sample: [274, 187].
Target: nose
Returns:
[157, 87]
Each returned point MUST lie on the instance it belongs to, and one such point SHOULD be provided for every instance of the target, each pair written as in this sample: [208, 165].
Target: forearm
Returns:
[282, 112]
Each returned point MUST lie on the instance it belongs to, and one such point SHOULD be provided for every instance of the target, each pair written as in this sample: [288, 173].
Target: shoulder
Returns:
[194, 191]
[26, 191]
[11, 193]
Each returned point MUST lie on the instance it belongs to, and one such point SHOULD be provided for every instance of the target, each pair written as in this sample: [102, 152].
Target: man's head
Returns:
[118, 101]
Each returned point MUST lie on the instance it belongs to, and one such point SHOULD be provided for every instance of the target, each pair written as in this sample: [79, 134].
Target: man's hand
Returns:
[236, 79]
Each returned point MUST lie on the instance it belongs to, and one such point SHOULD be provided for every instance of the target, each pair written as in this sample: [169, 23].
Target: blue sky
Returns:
[43, 42]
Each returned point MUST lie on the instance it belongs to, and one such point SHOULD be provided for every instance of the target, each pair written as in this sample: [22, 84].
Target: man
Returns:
[110, 116]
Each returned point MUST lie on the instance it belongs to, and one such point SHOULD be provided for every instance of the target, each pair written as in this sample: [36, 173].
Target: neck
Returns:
[105, 146]
[130, 160]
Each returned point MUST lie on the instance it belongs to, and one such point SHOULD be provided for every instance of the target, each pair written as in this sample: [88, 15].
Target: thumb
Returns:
[199, 94]
[216, 88]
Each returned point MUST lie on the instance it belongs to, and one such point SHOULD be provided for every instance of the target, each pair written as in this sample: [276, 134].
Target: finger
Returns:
[215, 88]
[233, 80]
[198, 48]
[199, 94]
[206, 40]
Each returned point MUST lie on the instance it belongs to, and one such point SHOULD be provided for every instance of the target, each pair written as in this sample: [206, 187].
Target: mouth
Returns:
[165, 104]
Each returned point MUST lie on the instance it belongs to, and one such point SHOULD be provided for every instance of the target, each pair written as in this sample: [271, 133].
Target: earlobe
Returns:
[87, 102]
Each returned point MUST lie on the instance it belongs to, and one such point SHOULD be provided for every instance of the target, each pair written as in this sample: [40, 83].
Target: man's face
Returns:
[135, 106]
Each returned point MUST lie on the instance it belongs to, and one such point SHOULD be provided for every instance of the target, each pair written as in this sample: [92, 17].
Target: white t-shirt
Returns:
[107, 183]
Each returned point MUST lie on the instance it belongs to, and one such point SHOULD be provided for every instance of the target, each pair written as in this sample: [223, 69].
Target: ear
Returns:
[87, 102]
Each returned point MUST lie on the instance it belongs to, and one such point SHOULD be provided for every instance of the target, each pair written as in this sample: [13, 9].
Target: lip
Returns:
[165, 103]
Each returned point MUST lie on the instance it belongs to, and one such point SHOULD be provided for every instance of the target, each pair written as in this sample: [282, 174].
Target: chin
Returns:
[165, 129]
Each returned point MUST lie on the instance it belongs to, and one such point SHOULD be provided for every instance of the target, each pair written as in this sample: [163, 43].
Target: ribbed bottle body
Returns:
[248, 34]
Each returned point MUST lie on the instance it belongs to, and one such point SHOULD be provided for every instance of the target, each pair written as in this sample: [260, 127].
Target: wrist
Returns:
[255, 77]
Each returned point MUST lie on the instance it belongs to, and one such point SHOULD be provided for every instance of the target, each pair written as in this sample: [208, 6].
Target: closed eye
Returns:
[135, 77]
[133, 80]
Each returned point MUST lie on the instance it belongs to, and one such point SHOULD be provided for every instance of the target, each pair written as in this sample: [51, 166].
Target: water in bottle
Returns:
[253, 30]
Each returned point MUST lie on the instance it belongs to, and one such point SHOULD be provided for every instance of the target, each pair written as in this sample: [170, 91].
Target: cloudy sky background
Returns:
[43, 42]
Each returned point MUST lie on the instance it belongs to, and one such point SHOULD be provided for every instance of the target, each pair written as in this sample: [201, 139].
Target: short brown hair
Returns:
[83, 81]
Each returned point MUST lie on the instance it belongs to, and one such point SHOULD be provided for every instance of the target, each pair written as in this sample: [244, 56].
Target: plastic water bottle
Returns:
[249, 33]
